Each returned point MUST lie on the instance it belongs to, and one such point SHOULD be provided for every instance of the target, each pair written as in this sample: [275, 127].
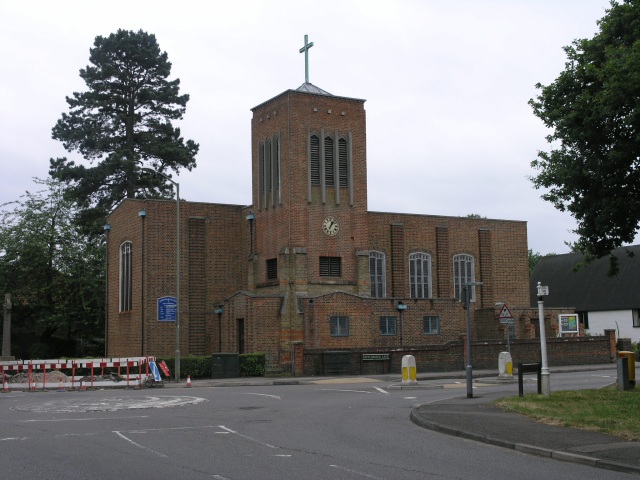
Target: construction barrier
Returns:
[92, 364]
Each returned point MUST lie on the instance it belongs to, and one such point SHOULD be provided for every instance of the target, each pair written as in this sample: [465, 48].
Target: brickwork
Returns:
[224, 258]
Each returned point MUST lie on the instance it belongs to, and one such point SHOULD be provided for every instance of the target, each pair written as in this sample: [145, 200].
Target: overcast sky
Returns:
[446, 83]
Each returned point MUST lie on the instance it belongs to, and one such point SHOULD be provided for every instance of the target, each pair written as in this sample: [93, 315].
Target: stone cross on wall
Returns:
[305, 49]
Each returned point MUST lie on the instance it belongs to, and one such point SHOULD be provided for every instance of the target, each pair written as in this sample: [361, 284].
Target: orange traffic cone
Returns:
[5, 386]
[33, 386]
[61, 386]
[188, 380]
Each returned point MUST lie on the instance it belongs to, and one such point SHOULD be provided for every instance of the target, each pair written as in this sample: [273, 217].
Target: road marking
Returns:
[340, 390]
[247, 437]
[138, 445]
[410, 398]
[83, 419]
[355, 471]
[277, 397]
[381, 390]
[12, 438]
[218, 477]
[78, 405]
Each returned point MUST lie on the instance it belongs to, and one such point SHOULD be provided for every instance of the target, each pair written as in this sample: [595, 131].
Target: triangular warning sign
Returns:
[505, 313]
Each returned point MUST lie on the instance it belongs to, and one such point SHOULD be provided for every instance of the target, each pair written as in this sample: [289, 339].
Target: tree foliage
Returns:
[120, 125]
[592, 169]
[54, 272]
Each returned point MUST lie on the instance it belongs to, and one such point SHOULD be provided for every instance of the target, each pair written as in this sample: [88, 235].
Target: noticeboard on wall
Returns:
[167, 309]
[568, 323]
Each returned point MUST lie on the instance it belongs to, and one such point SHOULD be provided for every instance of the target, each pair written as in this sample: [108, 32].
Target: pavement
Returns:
[476, 419]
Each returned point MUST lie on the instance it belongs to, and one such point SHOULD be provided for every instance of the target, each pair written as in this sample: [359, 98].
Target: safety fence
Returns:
[136, 370]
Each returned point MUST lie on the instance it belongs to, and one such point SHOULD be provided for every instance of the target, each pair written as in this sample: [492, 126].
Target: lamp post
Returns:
[401, 308]
[177, 359]
[142, 214]
[546, 380]
[218, 311]
[466, 304]
[107, 229]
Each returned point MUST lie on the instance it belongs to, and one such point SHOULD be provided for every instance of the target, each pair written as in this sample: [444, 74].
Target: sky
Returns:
[446, 84]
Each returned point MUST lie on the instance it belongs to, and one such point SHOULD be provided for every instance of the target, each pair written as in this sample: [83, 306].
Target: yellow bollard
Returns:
[409, 370]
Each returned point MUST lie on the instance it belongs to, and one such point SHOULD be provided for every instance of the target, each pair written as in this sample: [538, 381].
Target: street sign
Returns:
[542, 290]
[507, 321]
[505, 313]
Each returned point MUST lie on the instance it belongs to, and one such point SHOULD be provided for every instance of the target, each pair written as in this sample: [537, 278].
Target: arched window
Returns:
[420, 275]
[126, 276]
[377, 274]
[463, 273]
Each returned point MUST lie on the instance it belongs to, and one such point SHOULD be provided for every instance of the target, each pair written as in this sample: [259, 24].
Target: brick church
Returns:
[306, 268]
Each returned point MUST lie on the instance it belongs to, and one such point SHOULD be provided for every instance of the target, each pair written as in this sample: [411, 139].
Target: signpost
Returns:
[507, 319]
[568, 323]
[546, 386]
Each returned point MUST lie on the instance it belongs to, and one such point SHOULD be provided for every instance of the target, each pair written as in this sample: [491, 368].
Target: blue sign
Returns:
[155, 372]
[167, 309]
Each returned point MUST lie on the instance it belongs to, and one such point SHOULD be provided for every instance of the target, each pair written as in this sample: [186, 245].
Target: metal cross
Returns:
[305, 49]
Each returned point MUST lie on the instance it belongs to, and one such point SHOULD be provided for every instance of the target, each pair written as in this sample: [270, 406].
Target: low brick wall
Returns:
[452, 356]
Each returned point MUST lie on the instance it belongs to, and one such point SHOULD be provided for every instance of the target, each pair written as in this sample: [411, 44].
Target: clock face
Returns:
[330, 226]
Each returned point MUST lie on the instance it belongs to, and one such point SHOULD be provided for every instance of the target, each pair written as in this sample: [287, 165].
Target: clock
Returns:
[330, 226]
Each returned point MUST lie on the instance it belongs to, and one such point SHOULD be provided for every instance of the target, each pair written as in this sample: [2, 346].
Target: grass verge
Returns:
[606, 410]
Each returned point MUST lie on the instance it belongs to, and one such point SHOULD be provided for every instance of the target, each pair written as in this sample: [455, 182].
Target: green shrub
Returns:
[252, 365]
[193, 366]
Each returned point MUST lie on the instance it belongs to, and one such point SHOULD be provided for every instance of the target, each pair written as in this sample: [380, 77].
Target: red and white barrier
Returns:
[31, 366]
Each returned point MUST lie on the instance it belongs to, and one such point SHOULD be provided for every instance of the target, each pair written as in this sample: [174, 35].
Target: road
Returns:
[326, 430]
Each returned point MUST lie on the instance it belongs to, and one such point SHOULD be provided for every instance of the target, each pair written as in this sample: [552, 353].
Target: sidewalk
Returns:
[475, 419]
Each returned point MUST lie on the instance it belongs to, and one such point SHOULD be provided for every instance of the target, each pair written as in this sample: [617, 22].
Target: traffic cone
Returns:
[5, 386]
[82, 386]
[188, 380]
[33, 385]
[61, 386]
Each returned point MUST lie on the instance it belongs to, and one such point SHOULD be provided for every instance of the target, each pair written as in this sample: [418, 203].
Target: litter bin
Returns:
[225, 365]
[631, 366]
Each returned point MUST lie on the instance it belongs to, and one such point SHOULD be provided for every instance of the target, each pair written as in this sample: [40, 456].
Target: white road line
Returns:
[138, 445]
[12, 438]
[277, 397]
[145, 430]
[340, 390]
[355, 471]
[83, 419]
[247, 437]
[218, 477]
[381, 390]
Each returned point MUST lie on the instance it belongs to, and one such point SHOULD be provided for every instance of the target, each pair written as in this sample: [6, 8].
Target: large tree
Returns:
[54, 272]
[120, 125]
[592, 168]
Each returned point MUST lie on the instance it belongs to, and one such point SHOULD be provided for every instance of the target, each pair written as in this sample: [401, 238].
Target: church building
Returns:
[306, 268]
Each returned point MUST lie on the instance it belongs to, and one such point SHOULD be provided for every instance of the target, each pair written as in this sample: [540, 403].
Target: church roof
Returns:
[311, 88]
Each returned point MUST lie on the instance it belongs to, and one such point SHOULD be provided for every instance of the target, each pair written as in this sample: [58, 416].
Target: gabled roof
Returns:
[589, 288]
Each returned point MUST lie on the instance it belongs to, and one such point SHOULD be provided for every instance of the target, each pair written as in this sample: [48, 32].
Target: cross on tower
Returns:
[305, 49]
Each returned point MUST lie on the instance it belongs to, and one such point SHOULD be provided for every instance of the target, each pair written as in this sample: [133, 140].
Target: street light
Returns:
[142, 214]
[218, 311]
[177, 359]
[466, 304]
[107, 229]
[546, 380]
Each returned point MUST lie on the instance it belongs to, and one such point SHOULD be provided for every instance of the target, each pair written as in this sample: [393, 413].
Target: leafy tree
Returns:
[593, 108]
[121, 125]
[54, 273]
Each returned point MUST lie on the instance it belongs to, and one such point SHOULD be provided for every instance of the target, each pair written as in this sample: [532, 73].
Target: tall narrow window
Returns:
[260, 174]
[377, 274]
[126, 277]
[269, 172]
[276, 176]
[463, 273]
[343, 167]
[329, 163]
[330, 266]
[314, 148]
[420, 275]
[272, 269]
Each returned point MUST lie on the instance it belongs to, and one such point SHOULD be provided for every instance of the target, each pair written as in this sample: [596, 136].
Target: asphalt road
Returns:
[327, 430]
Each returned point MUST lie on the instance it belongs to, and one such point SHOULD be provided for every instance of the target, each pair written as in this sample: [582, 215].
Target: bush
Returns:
[252, 365]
